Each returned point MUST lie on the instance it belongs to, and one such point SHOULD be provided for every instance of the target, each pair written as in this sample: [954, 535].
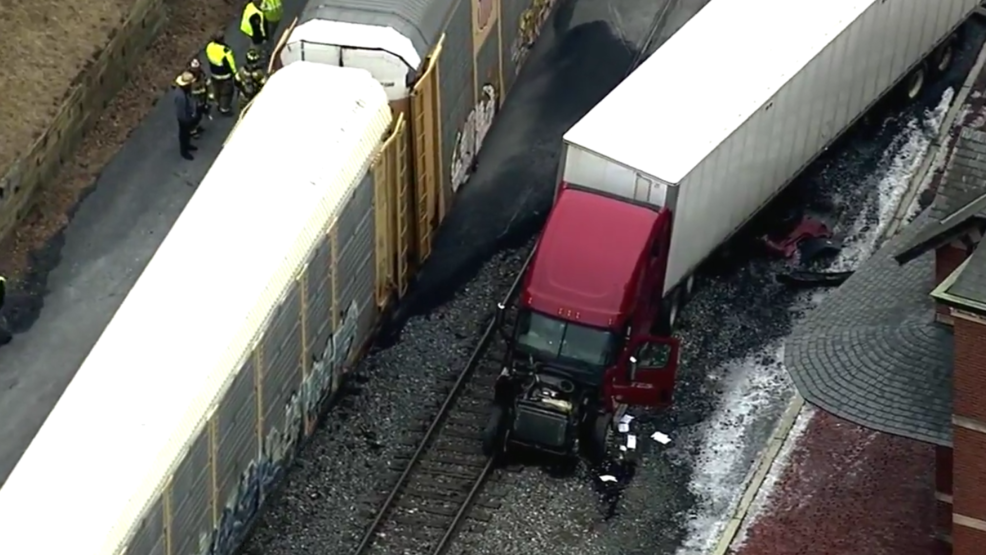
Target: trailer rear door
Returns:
[589, 170]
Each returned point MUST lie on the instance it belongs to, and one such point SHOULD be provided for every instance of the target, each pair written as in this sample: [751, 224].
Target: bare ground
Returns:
[187, 29]
[44, 44]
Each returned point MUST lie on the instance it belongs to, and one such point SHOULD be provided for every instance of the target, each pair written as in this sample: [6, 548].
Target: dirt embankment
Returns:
[44, 44]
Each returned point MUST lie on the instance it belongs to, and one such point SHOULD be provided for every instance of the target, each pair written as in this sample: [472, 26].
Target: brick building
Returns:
[901, 346]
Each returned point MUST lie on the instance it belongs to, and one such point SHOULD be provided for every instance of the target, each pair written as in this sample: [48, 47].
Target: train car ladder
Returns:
[426, 147]
[391, 180]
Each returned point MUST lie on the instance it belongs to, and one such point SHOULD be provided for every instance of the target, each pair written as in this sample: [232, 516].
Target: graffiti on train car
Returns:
[470, 139]
[531, 22]
[280, 444]
[484, 14]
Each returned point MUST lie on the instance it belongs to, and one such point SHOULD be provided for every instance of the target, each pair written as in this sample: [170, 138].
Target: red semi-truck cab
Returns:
[583, 342]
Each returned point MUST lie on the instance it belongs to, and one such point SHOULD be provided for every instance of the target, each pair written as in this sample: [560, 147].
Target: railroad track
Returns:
[429, 498]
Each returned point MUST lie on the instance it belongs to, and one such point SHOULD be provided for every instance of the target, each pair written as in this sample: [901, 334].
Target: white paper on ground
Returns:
[607, 478]
[626, 419]
[631, 441]
[663, 439]
[623, 427]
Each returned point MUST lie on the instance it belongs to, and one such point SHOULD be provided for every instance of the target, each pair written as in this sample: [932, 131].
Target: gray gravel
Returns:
[321, 508]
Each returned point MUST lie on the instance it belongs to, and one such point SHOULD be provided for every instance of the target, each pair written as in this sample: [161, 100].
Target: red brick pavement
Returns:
[847, 490]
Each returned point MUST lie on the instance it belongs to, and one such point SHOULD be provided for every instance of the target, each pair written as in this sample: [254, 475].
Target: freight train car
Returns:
[445, 64]
[196, 396]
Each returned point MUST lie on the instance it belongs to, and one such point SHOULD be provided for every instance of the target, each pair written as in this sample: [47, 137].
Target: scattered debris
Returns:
[607, 478]
[663, 439]
[806, 278]
[810, 239]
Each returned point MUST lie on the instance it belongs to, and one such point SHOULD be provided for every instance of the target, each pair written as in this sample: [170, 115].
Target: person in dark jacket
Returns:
[5, 334]
[186, 110]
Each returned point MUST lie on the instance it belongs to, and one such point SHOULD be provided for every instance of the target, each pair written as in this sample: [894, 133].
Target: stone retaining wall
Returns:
[88, 96]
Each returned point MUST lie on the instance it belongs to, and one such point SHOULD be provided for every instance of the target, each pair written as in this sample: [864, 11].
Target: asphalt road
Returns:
[93, 264]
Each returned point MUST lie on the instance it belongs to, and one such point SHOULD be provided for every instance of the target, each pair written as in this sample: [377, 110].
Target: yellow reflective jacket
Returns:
[222, 64]
[248, 12]
[273, 9]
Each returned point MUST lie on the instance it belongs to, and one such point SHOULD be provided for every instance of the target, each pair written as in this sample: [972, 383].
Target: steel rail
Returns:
[367, 541]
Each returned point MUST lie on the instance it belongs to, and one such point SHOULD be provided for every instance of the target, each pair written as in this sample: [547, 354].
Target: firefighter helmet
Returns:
[253, 56]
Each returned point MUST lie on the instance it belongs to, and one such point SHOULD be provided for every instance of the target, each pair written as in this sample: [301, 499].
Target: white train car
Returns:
[195, 396]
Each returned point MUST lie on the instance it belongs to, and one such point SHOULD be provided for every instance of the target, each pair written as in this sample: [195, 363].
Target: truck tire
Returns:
[689, 289]
[494, 434]
[596, 438]
[915, 81]
[670, 310]
[943, 56]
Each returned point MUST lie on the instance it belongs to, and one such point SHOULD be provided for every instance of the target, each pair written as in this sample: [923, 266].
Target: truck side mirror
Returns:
[633, 368]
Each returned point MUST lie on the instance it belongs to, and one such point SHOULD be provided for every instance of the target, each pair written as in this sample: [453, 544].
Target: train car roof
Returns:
[420, 21]
[701, 85]
[173, 347]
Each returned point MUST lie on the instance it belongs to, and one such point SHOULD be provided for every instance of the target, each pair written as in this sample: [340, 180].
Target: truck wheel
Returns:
[495, 431]
[944, 55]
[914, 83]
[597, 437]
[669, 312]
[689, 288]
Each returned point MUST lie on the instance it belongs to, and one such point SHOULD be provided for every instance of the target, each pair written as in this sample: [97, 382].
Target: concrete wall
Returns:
[90, 93]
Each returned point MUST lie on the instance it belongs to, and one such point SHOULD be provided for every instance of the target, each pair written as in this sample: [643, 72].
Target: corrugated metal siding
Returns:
[191, 491]
[488, 62]
[455, 73]
[357, 267]
[236, 433]
[149, 539]
[510, 14]
[282, 376]
[320, 297]
[422, 21]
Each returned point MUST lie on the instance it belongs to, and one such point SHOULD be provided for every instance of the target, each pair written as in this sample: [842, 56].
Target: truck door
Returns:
[647, 374]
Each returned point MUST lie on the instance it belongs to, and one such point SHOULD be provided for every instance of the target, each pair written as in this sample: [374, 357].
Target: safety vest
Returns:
[249, 11]
[221, 61]
[273, 9]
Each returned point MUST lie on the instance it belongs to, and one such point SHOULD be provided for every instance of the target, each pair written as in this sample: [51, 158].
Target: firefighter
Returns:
[273, 11]
[254, 24]
[222, 65]
[252, 77]
[5, 335]
[186, 112]
[201, 92]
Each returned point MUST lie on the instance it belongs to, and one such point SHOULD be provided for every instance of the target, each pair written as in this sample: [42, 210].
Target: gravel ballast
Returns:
[323, 505]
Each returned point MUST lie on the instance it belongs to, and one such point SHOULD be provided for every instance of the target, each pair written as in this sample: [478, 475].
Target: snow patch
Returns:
[902, 162]
[751, 384]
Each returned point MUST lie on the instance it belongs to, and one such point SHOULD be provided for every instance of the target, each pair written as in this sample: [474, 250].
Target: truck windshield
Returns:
[559, 339]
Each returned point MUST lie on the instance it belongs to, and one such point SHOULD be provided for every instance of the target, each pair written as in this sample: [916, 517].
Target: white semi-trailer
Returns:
[665, 170]
[733, 107]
